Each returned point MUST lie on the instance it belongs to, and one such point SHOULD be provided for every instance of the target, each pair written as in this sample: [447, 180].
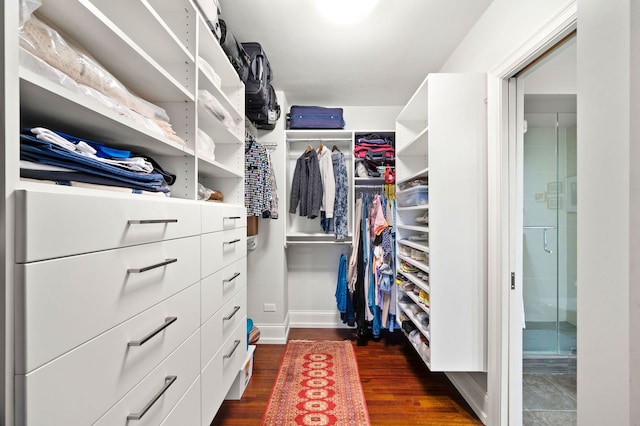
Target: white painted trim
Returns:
[559, 26]
[497, 254]
[274, 334]
[316, 319]
[472, 392]
[551, 32]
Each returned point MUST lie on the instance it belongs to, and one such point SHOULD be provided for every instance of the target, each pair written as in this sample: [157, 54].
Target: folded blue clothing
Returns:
[45, 153]
[65, 177]
[155, 186]
[46, 150]
[377, 141]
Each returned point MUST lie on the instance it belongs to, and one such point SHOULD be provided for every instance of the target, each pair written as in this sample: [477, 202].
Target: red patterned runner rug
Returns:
[317, 384]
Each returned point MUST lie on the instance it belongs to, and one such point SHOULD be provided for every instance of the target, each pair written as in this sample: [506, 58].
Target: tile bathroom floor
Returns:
[549, 399]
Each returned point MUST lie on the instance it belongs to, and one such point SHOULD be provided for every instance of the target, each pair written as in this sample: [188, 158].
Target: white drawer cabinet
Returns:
[222, 324]
[187, 411]
[217, 376]
[103, 289]
[221, 217]
[81, 385]
[217, 289]
[220, 249]
[170, 380]
[50, 225]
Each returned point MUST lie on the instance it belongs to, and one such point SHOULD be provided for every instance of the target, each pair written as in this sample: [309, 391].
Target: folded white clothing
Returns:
[135, 164]
[52, 137]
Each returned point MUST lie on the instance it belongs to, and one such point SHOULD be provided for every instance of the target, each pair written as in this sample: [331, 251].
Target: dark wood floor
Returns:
[398, 387]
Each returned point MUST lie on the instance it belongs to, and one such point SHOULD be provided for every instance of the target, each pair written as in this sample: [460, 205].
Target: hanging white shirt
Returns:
[328, 181]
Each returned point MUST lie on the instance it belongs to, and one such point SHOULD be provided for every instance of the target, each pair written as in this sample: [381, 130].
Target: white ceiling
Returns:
[378, 61]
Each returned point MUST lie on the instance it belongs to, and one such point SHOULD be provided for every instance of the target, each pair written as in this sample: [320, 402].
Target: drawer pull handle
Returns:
[232, 217]
[236, 275]
[148, 268]
[231, 315]
[167, 322]
[232, 241]
[151, 221]
[235, 346]
[168, 381]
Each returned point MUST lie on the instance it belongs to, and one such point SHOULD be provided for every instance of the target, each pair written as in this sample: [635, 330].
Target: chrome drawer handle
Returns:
[148, 268]
[151, 221]
[167, 322]
[168, 381]
[232, 242]
[231, 315]
[232, 217]
[235, 346]
[236, 275]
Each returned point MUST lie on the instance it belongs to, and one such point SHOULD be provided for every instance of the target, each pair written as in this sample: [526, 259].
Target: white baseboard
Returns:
[274, 334]
[316, 319]
[472, 392]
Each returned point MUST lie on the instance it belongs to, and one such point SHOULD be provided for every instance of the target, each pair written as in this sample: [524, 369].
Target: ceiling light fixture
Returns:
[345, 11]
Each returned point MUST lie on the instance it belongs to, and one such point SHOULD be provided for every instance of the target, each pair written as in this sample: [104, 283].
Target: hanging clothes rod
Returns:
[295, 156]
[379, 187]
[319, 139]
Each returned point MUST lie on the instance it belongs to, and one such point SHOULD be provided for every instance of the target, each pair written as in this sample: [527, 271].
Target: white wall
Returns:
[505, 26]
[555, 75]
[267, 264]
[634, 228]
[608, 225]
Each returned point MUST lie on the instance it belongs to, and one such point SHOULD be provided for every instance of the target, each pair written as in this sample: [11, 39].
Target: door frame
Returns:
[504, 391]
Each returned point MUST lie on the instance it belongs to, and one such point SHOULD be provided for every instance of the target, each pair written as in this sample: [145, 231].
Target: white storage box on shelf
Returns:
[416, 196]
[243, 377]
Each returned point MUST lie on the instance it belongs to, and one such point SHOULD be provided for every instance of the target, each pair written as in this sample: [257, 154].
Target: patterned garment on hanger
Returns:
[257, 180]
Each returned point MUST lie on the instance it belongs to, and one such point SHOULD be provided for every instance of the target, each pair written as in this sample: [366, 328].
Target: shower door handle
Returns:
[545, 242]
[544, 238]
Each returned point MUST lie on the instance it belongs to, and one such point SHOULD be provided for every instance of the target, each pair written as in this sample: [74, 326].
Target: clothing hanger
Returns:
[335, 148]
[320, 148]
[309, 149]
[248, 145]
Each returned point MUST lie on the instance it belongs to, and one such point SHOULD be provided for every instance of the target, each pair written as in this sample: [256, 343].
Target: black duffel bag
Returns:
[235, 52]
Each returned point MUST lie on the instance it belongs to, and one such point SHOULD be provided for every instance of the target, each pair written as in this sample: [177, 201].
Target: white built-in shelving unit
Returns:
[301, 230]
[441, 140]
[124, 303]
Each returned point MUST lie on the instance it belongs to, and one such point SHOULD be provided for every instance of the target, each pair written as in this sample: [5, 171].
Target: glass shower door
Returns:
[549, 234]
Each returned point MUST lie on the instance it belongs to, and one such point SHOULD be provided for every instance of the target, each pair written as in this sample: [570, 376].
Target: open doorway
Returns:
[543, 332]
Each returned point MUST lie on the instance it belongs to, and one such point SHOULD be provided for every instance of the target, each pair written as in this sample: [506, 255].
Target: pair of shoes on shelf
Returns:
[423, 219]
[420, 237]
[417, 338]
[407, 267]
[405, 251]
[408, 286]
[405, 300]
[423, 317]
[424, 297]
[418, 255]
[425, 350]
[423, 276]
